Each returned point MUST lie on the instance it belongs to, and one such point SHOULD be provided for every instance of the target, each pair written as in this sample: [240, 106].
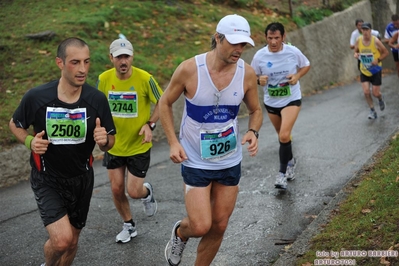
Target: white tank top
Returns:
[209, 130]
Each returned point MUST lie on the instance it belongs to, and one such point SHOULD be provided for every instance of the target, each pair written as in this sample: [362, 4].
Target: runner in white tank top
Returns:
[214, 85]
[210, 118]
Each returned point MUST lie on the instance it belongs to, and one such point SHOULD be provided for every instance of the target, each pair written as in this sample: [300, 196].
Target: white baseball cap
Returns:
[121, 46]
[236, 29]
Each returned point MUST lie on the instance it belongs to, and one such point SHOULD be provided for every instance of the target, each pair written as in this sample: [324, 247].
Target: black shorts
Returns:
[277, 111]
[395, 56]
[374, 79]
[137, 164]
[56, 197]
[202, 178]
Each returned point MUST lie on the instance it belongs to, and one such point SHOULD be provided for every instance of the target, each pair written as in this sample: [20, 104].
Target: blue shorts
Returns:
[202, 178]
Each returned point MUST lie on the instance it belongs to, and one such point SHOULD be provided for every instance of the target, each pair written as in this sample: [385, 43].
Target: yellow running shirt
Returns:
[130, 102]
[367, 55]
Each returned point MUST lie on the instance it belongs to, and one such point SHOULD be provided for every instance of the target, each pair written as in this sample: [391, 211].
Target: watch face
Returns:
[152, 125]
[256, 133]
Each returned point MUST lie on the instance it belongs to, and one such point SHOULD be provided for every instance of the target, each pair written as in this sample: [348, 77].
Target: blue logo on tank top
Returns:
[269, 64]
[211, 114]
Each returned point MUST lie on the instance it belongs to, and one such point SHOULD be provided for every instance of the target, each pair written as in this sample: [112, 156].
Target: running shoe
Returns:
[175, 247]
[372, 114]
[281, 181]
[150, 204]
[128, 232]
[290, 174]
[382, 103]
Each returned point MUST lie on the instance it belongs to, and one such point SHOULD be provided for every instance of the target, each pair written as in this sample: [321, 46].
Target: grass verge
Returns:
[163, 33]
[367, 220]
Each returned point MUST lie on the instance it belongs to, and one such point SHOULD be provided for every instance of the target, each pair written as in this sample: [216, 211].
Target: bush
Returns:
[306, 15]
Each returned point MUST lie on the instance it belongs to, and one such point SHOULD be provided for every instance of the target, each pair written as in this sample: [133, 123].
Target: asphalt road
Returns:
[332, 140]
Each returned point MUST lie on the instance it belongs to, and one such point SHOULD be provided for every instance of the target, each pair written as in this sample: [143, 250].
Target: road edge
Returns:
[302, 242]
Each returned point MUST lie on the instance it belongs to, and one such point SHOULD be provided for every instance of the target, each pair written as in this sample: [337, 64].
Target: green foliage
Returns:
[241, 3]
[163, 33]
[299, 21]
[344, 4]
[307, 15]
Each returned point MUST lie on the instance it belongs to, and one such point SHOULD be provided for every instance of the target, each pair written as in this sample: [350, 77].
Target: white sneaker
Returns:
[175, 247]
[372, 115]
[290, 174]
[150, 204]
[281, 181]
[128, 232]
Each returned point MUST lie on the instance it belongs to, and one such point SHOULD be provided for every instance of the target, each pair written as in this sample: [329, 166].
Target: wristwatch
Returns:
[152, 125]
[255, 132]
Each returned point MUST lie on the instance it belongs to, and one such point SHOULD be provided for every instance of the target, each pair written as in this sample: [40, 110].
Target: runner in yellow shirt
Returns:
[370, 51]
[130, 92]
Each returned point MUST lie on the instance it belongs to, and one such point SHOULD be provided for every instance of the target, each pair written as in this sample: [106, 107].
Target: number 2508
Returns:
[66, 131]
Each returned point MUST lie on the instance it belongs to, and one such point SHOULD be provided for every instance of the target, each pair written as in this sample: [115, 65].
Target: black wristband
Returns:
[258, 82]
[254, 131]
[152, 125]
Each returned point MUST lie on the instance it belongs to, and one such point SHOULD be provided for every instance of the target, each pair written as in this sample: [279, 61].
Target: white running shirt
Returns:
[277, 92]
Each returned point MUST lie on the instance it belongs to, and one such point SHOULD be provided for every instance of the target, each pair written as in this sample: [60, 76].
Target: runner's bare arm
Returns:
[383, 50]
[393, 41]
[251, 99]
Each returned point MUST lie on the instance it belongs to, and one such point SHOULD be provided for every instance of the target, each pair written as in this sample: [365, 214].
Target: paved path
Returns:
[333, 139]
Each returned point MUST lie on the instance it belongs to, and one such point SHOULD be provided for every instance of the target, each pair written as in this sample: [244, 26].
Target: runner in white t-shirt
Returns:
[279, 67]
[358, 32]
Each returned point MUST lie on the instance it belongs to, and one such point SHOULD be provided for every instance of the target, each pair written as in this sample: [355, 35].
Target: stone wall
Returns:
[325, 43]
[14, 165]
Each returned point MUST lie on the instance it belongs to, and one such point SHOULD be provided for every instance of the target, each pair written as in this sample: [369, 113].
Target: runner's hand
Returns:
[38, 144]
[177, 153]
[100, 134]
[253, 143]
[146, 130]
[292, 79]
[263, 80]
